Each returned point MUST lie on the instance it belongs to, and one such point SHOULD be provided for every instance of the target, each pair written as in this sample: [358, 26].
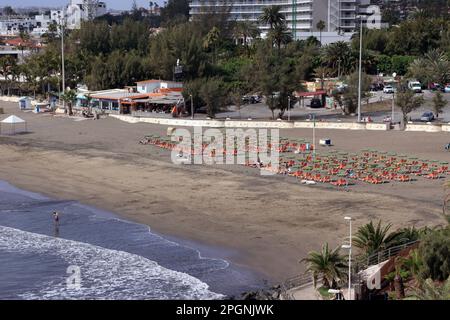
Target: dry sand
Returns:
[265, 223]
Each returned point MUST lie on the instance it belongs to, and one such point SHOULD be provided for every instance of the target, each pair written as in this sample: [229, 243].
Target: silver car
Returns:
[427, 117]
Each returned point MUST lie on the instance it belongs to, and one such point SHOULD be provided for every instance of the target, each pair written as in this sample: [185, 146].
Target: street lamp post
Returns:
[192, 107]
[314, 136]
[289, 108]
[393, 100]
[349, 247]
[360, 67]
[63, 72]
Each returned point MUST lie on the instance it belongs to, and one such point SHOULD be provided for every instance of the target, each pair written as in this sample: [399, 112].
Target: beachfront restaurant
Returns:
[156, 103]
[150, 96]
[115, 102]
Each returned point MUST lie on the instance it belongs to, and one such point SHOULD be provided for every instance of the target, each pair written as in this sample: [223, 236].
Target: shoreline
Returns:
[244, 276]
[266, 224]
[281, 264]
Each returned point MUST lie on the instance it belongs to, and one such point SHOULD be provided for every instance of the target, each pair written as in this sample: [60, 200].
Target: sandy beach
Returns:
[264, 223]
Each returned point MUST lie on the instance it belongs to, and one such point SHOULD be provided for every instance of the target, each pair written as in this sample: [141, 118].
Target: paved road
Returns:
[261, 111]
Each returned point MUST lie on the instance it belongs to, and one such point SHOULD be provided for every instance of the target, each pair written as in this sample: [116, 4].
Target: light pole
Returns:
[192, 107]
[349, 247]
[289, 108]
[339, 68]
[63, 72]
[393, 100]
[360, 67]
[314, 136]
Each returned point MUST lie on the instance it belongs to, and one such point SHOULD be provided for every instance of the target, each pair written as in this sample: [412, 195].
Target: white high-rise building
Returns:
[81, 10]
[302, 16]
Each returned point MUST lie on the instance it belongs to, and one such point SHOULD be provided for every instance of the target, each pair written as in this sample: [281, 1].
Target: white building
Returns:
[75, 12]
[16, 25]
[153, 86]
[81, 10]
[302, 16]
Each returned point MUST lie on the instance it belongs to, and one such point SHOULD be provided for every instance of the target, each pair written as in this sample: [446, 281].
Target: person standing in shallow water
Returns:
[56, 220]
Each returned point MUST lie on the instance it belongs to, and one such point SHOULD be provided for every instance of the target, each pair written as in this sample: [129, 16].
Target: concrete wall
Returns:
[378, 126]
[254, 124]
[423, 127]
[9, 99]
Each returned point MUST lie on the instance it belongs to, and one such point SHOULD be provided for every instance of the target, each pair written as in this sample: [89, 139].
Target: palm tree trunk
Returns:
[399, 287]
[69, 105]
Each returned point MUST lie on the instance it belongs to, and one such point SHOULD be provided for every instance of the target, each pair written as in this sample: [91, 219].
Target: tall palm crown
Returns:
[338, 56]
[272, 16]
[280, 35]
[320, 26]
[328, 264]
[371, 238]
[245, 30]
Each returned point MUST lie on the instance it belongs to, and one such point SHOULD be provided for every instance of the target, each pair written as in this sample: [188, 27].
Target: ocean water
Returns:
[95, 255]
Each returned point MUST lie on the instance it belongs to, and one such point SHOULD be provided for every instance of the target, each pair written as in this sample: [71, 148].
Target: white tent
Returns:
[13, 121]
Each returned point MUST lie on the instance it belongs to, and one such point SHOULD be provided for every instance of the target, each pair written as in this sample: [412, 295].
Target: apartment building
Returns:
[302, 16]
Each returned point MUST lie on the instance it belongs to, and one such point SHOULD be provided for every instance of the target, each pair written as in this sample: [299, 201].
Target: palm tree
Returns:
[211, 40]
[433, 67]
[24, 38]
[399, 287]
[69, 97]
[320, 26]
[322, 73]
[338, 56]
[151, 4]
[371, 238]
[245, 30]
[409, 234]
[280, 35]
[328, 264]
[272, 16]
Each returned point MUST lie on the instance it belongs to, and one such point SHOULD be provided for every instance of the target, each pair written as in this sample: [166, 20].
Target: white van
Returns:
[415, 86]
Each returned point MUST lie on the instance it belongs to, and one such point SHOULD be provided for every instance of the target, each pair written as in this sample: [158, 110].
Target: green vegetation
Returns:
[327, 264]
[407, 101]
[116, 51]
[434, 251]
[371, 238]
[439, 103]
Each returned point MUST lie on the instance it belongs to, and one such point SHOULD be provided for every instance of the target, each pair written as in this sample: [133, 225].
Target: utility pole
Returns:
[360, 68]
[393, 100]
[349, 247]
[289, 108]
[192, 107]
[63, 71]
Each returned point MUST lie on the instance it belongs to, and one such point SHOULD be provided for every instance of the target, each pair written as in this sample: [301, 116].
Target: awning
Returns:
[13, 120]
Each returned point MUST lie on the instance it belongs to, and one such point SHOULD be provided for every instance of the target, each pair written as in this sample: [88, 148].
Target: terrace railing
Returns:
[299, 281]
[306, 279]
[383, 255]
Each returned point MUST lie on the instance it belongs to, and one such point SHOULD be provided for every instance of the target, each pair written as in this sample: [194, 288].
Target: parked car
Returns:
[376, 87]
[427, 117]
[436, 87]
[341, 88]
[415, 86]
[388, 89]
[315, 103]
[251, 99]
[447, 88]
